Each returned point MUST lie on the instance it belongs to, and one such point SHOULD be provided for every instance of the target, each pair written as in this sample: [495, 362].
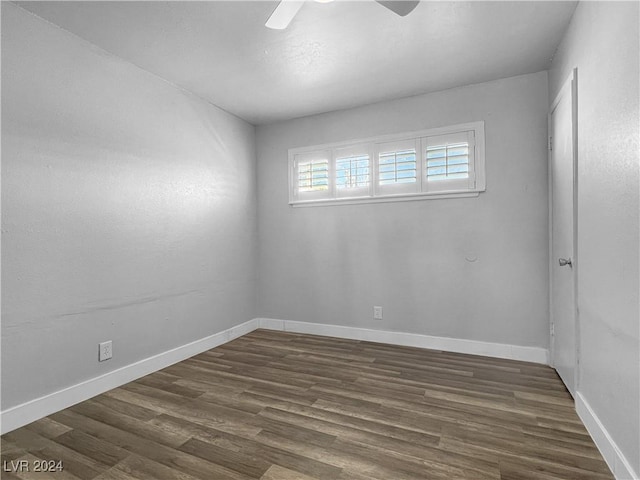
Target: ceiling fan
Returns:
[287, 9]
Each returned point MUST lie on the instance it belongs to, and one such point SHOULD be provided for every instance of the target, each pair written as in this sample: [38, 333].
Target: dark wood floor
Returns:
[282, 406]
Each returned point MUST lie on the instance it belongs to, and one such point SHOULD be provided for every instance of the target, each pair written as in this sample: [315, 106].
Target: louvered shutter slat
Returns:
[448, 161]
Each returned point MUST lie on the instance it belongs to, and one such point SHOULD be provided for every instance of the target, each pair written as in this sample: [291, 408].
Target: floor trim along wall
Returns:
[33, 410]
[617, 462]
[28, 412]
[474, 347]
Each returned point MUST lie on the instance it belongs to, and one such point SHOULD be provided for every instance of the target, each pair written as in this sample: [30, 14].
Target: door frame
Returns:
[570, 87]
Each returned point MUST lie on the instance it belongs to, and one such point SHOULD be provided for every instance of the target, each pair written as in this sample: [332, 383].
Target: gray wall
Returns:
[128, 212]
[602, 42]
[331, 264]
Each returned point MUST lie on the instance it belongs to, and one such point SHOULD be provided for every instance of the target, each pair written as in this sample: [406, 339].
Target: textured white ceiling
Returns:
[332, 56]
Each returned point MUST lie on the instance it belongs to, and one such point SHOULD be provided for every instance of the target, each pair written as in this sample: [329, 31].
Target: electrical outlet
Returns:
[377, 313]
[105, 351]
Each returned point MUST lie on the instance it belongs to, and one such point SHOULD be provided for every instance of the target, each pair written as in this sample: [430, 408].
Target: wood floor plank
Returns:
[91, 447]
[299, 463]
[400, 464]
[515, 469]
[582, 439]
[142, 468]
[127, 409]
[296, 433]
[339, 459]
[9, 451]
[147, 449]
[230, 441]
[139, 427]
[539, 462]
[285, 406]
[314, 416]
[48, 428]
[276, 472]
[9, 476]
[116, 473]
[168, 385]
[249, 465]
[416, 444]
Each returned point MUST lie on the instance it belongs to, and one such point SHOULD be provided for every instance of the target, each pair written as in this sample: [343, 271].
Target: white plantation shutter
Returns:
[443, 162]
[449, 162]
[311, 175]
[397, 167]
[353, 171]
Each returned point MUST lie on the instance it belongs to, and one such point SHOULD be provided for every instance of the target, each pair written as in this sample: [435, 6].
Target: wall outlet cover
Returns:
[105, 351]
[377, 313]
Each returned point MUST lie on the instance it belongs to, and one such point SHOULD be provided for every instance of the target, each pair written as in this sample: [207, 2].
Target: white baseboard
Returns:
[20, 415]
[617, 462]
[474, 347]
[33, 410]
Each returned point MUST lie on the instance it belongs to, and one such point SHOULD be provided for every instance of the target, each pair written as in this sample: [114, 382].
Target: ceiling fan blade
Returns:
[283, 14]
[401, 7]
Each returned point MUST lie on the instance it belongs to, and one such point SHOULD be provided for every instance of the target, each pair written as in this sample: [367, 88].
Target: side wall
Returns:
[128, 212]
[602, 42]
[469, 268]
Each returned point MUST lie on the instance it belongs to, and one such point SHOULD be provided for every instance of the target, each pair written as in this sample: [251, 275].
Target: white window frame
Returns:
[422, 189]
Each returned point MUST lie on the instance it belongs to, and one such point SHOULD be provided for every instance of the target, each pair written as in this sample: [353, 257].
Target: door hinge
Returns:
[552, 329]
[550, 145]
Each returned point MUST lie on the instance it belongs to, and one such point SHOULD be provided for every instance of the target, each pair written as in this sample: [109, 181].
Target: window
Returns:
[449, 161]
[397, 166]
[446, 162]
[311, 176]
[397, 169]
[353, 171]
[443, 162]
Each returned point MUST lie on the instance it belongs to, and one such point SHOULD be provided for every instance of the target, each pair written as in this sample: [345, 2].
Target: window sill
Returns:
[383, 199]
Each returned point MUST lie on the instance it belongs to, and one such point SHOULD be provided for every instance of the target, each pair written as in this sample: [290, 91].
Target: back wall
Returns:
[467, 268]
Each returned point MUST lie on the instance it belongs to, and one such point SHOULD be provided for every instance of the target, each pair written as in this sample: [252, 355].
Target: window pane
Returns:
[313, 176]
[458, 168]
[397, 167]
[436, 171]
[447, 162]
[437, 163]
[436, 152]
[352, 171]
[458, 149]
[406, 174]
[406, 180]
[458, 160]
[406, 166]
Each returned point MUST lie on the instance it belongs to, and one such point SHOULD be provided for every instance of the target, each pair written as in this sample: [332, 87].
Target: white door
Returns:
[563, 225]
